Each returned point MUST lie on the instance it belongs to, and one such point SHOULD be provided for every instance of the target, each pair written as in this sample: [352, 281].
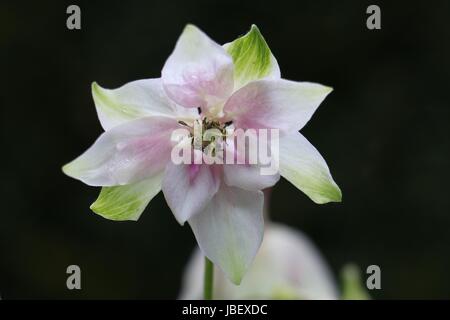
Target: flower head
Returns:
[209, 86]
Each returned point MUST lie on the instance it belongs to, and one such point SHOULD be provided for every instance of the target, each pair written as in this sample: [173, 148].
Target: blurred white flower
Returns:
[288, 266]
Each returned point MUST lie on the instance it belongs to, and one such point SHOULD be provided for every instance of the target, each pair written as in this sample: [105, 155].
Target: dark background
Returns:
[384, 132]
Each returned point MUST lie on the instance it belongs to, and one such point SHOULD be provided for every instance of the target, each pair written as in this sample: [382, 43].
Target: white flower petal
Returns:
[199, 72]
[127, 202]
[188, 189]
[128, 153]
[303, 166]
[248, 177]
[282, 104]
[230, 229]
[133, 100]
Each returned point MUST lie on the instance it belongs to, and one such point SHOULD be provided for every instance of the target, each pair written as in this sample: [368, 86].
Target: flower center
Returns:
[207, 133]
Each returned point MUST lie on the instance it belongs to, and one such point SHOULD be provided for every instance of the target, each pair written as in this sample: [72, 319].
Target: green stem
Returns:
[208, 280]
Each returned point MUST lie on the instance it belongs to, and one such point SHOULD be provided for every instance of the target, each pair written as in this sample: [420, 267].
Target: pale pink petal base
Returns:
[281, 104]
[199, 72]
[127, 153]
[188, 188]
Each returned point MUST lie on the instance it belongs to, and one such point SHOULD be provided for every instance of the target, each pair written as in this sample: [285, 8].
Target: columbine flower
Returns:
[203, 82]
[288, 266]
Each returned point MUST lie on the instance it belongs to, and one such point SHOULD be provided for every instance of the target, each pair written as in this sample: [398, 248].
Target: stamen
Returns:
[206, 124]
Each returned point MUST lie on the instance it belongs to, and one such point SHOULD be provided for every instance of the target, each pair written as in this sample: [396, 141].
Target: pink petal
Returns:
[199, 72]
[127, 153]
[188, 188]
[280, 104]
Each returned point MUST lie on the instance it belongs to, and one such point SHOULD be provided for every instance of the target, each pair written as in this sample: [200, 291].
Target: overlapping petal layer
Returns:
[199, 72]
[281, 104]
[188, 188]
[125, 154]
[134, 100]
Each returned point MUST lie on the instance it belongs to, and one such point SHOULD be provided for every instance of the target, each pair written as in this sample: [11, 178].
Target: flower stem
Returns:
[208, 280]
